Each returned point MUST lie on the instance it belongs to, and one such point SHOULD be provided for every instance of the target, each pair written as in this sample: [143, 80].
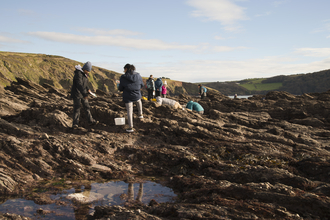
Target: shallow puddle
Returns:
[109, 193]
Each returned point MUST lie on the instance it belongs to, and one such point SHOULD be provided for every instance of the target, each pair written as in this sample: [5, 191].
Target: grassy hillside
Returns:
[54, 70]
[304, 83]
[228, 88]
[295, 84]
[258, 85]
[58, 71]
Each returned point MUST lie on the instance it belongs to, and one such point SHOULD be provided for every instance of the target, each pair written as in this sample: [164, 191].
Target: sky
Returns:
[185, 40]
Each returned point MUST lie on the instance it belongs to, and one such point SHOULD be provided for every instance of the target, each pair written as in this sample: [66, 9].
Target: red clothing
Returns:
[164, 90]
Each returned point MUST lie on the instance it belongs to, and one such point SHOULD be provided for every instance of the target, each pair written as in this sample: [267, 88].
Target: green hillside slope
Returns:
[54, 70]
[297, 84]
[303, 83]
[260, 85]
[58, 71]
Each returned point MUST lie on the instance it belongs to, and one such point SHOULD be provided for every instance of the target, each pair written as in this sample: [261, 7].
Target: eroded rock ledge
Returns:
[266, 157]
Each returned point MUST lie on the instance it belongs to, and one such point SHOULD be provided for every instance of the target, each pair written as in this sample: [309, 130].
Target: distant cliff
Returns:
[296, 84]
[303, 83]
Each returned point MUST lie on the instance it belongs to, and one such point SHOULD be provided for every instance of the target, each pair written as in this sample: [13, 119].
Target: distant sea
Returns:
[241, 96]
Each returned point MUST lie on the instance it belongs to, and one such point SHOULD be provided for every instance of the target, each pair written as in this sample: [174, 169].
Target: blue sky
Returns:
[186, 40]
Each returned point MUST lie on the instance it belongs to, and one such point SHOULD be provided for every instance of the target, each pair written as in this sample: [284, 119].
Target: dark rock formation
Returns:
[267, 157]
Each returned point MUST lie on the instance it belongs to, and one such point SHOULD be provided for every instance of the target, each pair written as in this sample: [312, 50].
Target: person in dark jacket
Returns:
[150, 87]
[158, 86]
[131, 84]
[80, 92]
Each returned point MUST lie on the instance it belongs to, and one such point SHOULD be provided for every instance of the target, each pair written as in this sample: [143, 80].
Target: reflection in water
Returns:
[81, 212]
[240, 96]
[139, 197]
[130, 192]
[29, 209]
[109, 193]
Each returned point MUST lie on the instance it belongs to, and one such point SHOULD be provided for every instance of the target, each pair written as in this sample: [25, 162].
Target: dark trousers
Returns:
[157, 93]
[76, 110]
[150, 94]
[203, 95]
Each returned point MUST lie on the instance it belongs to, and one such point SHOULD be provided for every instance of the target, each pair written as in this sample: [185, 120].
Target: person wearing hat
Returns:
[150, 87]
[80, 92]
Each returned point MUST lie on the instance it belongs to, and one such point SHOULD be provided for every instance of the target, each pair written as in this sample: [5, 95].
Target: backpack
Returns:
[205, 90]
[150, 84]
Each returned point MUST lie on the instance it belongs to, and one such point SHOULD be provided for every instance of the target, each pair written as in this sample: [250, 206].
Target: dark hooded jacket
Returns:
[80, 84]
[130, 84]
[159, 84]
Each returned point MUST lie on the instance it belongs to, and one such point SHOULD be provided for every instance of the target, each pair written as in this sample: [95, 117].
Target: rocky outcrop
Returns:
[266, 157]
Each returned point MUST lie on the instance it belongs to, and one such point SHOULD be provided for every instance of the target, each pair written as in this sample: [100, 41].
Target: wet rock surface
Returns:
[267, 157]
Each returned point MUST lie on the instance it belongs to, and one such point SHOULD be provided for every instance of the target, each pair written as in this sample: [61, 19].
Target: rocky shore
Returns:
[266, 157]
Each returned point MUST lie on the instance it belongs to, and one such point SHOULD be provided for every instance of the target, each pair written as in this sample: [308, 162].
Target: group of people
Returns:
[156, 88]
[130, 84]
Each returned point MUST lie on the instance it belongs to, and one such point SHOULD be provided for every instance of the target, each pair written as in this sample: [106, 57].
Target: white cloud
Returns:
[149, 44]
[314, 52]
[226, 48]
[224, 70]
[10, 40]
[264, 14]
[120, 32]
[219, 37]
[215, 70]
[325, 27]
[279, 3]
[132, 43]
[224, 11]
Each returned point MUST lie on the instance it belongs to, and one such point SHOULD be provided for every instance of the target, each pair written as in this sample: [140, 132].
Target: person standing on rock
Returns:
[202, 91]
[164, 90]
[158, 86]
[150, 87]
[131, 84]
[80, 92]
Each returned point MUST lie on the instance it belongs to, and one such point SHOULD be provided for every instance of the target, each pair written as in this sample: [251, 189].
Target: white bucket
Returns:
[119, 121]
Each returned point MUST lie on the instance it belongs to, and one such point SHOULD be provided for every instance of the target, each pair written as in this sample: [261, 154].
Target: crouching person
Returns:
[195, 106]
[166, 101]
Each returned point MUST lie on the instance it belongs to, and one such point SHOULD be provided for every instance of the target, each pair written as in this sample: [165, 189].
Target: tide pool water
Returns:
[108, 193]
[241, 96]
